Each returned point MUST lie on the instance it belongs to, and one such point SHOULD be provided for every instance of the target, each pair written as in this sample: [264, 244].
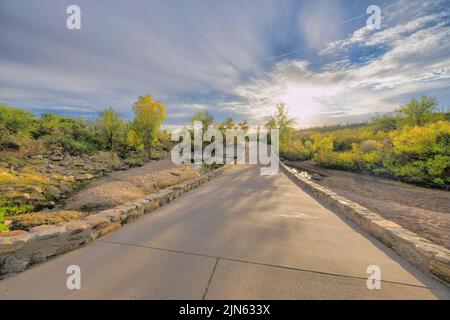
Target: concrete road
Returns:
[241, 236]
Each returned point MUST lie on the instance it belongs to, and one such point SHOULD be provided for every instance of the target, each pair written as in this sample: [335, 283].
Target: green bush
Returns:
[16, 121]
[412, 153]
[68, 144]
[9, 207]
[3, 227]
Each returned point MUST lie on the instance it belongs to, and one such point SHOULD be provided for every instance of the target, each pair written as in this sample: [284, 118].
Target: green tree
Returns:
[418, 112]
[384, 122]
[110, 127]
[16, 121]
[148, 117]
[205, 118]
[281, 120]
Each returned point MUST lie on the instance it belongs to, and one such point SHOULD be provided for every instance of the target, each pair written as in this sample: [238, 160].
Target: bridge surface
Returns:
[241, 236]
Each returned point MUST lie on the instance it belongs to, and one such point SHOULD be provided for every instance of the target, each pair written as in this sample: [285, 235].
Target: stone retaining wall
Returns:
[20, 249]
[427, 256]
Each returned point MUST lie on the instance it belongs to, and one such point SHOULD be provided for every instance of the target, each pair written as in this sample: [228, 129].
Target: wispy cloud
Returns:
[230, 58]
[415, 61]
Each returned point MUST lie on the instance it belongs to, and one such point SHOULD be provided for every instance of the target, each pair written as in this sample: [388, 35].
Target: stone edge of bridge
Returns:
[431, 258]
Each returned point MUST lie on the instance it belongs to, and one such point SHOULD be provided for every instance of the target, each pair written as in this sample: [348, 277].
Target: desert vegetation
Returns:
[44, 158]
[411, 144]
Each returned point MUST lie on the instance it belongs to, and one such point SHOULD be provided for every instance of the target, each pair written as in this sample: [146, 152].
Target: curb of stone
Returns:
[425, 255]
[21, 249]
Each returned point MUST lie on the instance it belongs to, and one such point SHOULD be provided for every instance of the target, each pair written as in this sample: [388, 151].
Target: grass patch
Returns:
[29, 220]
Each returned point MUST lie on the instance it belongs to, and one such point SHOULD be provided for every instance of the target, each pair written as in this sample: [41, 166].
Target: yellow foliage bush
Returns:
[419, 154]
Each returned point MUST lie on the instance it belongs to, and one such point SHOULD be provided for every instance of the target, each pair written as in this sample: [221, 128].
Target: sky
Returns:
[228, 57]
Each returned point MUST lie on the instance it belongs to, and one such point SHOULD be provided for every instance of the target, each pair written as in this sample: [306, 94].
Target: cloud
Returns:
[320, 22]
[123, 50]
[230, 58]
[416, 62]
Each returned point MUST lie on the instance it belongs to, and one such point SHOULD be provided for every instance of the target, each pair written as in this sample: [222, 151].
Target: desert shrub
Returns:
[421, 154]
[438, 169]
[370, 160]
[344, 139]
[321, 144]
[412, 153]
[383, 123]
[68, 144]
[411, 172]
[16, 121]
[419, 142]
[336, 160]
[3, 227]
[297, 150]
[8, 142]
[370, 145]
[13, 206]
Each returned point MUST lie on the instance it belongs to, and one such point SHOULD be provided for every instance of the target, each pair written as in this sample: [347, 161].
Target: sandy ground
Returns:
[123, 186]
[421, 210]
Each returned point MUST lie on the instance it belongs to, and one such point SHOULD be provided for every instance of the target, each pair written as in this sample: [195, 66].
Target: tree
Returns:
[418, 112]
[110, 127]
[16, 121]
[229, 123]
[283, 122]
[244, 126]
[148, 117]
[384, 123]
[206, 119]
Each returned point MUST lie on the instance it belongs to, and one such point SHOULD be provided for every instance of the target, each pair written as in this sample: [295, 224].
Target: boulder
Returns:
[13, 240]
[97, 221]
[74, 227]
[54, 191]
[46, 232]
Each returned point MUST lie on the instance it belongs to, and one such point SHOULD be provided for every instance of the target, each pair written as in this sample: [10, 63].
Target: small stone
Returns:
[56, 158]
[316, 176]
[86, 176]
[54, 191]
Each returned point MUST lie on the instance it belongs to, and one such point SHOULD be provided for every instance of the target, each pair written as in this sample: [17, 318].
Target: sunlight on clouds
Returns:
[417, 60]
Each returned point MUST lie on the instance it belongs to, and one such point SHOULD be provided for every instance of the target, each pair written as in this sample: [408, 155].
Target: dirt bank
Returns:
[120, 187]
[421, 210]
